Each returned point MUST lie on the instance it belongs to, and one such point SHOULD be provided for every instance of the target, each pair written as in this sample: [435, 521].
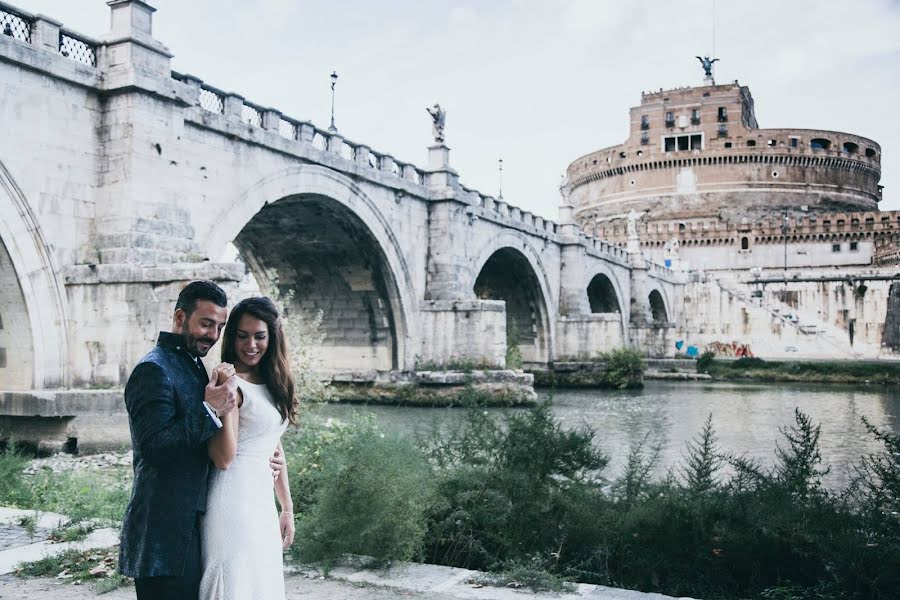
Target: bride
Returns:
[242, 536]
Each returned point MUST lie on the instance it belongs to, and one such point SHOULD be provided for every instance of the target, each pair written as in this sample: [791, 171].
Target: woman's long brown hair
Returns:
[274, 366]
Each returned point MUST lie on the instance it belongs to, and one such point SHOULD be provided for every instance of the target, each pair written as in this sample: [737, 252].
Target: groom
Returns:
[173, 409]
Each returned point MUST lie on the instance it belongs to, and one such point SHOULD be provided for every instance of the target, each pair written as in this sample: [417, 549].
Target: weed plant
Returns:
[624, 368]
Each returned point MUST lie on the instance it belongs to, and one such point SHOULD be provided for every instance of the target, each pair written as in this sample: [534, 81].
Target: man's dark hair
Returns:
[200, 290]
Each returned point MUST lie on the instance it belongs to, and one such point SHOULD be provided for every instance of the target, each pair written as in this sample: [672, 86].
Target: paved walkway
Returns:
[410, 581]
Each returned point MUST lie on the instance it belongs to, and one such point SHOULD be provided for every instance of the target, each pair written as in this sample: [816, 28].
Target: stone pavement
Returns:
[407, 581]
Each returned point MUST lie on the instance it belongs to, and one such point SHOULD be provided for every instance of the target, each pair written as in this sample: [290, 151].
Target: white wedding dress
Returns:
[241, 538]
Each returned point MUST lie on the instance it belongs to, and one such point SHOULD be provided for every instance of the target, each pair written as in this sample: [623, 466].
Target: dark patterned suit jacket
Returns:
[169, 430]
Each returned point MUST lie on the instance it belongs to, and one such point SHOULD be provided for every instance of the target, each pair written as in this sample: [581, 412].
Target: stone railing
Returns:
[46, 33]
[504, 210]
[537, 224]
[217, 101]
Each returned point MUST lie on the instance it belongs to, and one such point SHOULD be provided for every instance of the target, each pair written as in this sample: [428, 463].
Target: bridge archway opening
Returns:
[658, 308]
[602, 295]
[324, 257]
[508, 275]
[16, 340]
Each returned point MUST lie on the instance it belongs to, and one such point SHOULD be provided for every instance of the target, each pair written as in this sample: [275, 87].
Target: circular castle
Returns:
[697, 169]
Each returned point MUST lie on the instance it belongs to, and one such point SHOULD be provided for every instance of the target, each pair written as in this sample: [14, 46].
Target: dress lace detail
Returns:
[241, 540]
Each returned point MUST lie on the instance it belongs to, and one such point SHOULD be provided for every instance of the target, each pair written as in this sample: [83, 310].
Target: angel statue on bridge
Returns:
[438, 117]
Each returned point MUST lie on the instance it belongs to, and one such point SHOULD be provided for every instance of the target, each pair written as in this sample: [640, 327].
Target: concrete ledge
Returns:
[463, 305]
[61, 403]
[128, 273]
[681, 376]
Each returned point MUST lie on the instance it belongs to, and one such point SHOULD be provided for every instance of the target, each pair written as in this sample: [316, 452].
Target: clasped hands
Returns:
[221, 391]
[221, 394]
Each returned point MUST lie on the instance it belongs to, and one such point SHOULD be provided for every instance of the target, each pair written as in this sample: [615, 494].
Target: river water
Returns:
[746, 418]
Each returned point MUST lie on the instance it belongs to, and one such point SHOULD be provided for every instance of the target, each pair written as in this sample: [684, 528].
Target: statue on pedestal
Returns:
[631, 226]
[707, 63]
[439, 118]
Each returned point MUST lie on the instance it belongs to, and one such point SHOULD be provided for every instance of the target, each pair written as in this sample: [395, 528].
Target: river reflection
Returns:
[746, 417]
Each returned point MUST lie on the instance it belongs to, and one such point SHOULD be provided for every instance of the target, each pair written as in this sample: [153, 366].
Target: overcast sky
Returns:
[536, 83]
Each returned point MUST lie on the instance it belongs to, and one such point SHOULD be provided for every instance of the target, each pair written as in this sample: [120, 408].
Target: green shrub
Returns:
[371, 499]
[507, 490]
[13, 488]
[624, 368]
[705, 362]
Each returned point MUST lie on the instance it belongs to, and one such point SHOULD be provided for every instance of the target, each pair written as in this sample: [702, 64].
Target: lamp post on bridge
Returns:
[334, 77]
[500, 163]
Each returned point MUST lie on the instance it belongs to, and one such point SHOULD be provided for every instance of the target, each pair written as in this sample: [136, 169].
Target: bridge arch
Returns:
[659, 307]
[31, 293]
[605, 295]
[328, 242]
[508, 268]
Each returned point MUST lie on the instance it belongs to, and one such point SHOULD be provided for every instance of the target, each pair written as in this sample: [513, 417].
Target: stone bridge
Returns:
[120, 180]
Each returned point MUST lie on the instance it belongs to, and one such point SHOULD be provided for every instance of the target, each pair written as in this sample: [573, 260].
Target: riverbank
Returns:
[757, 369]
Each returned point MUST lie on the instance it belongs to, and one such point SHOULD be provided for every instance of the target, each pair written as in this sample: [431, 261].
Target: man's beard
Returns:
[190, 342]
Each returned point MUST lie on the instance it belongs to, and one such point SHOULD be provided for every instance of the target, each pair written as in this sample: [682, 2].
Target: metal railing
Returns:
[15, 25]
[288, 129]
[212, 100]
[77, 48]
[252, 115]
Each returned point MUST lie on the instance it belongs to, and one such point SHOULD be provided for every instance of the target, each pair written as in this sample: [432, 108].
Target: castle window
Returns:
[728, 144]
[851, 148]
[745, 243]
[645, 138]
[723, 114]
[621, 155]
[723, 130]
[751, 143]
[681, 227]
[795, 141]
[773, 143]
[695, 116]
[683, 143]
[819, 144]
[645, 122]
[870, 153]
[670, 119]
[870, 222]
[854, 246]
[835, 247]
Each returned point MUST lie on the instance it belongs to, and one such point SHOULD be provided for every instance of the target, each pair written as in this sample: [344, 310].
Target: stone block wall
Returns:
[473, 329]
[117, 311]
[584, 336]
